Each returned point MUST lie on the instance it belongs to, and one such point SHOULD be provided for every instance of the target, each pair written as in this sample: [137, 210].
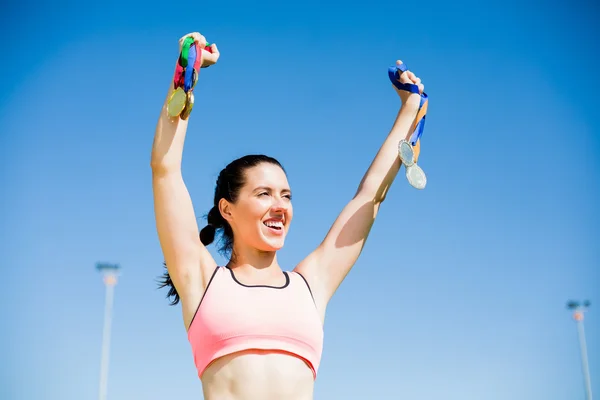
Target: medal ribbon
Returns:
[188, 80]
[419, 124]
[188, 64]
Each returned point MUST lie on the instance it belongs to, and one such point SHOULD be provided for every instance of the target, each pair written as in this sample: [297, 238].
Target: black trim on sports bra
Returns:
[203, 294]
[287, 281]
[307, 285]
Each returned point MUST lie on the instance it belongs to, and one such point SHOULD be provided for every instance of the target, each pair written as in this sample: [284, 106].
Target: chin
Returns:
[272, 242]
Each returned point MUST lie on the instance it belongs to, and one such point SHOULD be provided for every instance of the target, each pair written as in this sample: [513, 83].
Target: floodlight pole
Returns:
[110, 275]
[578, 316]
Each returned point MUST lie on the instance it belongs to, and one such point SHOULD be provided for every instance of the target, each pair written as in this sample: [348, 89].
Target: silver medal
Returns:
[414, 174]
[416, 177]
[406, 153]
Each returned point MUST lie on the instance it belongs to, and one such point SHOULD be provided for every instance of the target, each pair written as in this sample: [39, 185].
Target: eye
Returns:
[288, 196]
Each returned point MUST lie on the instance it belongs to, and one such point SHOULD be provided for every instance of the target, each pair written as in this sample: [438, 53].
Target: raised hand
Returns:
[208, 57]
[408, 77]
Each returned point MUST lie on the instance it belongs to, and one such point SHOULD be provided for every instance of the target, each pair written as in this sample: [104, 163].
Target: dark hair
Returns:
[231, 179]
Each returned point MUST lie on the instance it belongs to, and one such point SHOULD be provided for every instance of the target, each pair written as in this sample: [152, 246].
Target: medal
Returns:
[406, 153]
[176, 102]
[189, 104]
[416, 177]
[414, 174]
[181, 102]
[409, 150]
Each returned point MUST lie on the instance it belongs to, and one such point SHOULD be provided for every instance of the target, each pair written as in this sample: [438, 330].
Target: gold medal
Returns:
[189, 105]
[194, 78]
[176, 103]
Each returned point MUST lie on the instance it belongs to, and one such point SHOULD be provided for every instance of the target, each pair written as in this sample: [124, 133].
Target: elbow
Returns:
[380, 195]
[372, 192]
[160, 166]
[156, 163]
[380, 198]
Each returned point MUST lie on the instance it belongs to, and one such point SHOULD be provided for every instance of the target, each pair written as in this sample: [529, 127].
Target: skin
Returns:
[266, 195]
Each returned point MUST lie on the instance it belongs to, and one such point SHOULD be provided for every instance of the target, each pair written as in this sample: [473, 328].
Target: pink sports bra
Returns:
[233, 317]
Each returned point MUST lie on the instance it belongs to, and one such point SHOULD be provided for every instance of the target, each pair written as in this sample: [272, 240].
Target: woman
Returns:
[256, 331]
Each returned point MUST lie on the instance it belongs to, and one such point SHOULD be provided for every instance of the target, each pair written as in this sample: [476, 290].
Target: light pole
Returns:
[110, 274]
[578, 311]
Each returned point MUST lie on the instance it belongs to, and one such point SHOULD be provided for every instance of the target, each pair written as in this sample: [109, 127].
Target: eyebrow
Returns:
[270, 189]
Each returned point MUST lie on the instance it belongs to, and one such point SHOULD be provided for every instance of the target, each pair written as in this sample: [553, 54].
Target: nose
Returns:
[280, 205]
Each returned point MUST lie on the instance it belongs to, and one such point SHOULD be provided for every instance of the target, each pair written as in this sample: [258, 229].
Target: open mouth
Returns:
[274, 224]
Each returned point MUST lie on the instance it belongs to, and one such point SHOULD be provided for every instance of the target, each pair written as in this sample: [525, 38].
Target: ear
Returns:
[225, 210]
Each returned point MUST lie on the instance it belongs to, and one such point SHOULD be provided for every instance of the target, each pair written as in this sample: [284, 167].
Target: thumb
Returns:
[404, 76]
[214, 49]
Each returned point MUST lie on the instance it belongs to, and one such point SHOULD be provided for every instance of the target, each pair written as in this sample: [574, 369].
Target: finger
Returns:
[211, 54]
[403, 76]
[413, 78]
[209, 58]
[421, 88]
[200, 39]
[182, 39]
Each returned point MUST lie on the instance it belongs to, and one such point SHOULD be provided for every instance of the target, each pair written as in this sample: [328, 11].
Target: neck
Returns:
[244, 258]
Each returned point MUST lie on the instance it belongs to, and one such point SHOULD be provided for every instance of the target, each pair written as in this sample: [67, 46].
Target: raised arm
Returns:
[186, 258]
[329, 264]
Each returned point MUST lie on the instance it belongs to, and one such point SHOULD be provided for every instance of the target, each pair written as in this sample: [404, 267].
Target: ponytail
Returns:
[207, 236]
[215, 221]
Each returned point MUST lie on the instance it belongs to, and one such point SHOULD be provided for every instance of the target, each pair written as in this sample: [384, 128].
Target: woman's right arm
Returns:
[187, 259]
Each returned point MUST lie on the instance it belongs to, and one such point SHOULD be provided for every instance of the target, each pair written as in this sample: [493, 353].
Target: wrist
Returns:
[410, 107]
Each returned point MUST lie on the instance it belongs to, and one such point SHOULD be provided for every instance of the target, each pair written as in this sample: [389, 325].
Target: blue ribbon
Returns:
[188, 81]
[394, 73]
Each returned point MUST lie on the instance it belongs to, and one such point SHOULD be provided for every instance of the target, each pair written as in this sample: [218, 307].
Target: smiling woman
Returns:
[246, 186]
[256, 330]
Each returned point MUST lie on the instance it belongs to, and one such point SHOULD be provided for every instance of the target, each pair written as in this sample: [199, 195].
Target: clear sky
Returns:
[460, 292]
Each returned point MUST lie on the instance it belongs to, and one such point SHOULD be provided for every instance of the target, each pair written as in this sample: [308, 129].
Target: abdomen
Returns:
[258, 374]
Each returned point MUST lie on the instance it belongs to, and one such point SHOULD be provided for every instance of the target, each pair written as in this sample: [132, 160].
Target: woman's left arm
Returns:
[327, 266]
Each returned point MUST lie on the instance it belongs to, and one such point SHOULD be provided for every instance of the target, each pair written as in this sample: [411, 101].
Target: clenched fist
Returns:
[208, 57]
[410, 78]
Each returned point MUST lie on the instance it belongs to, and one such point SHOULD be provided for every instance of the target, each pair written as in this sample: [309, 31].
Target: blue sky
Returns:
[461, 289]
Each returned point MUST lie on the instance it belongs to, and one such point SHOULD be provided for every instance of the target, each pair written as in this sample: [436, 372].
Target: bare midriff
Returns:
[258, 374]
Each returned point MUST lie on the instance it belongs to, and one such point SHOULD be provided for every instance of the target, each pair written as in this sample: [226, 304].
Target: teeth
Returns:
[274, 224]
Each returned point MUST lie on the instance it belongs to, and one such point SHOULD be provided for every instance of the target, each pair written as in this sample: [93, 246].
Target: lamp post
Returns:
[578, 315]
[110, 274]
